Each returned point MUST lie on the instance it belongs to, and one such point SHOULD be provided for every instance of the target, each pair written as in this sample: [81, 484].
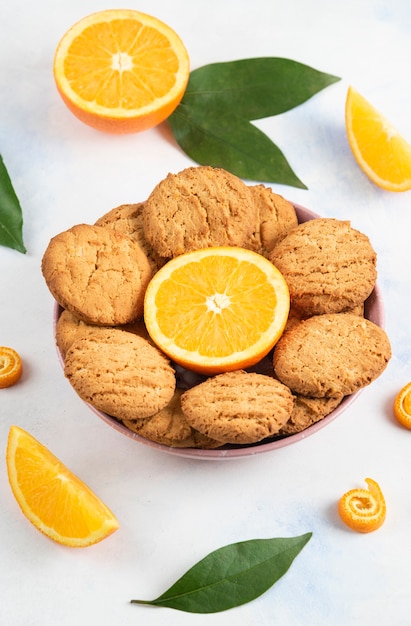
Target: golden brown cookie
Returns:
[199, 207]
[170, 427]
[276, 218]
[120, 373]
[69, 328]
[238, 407]
[309, 411]
[328, 265]
[98, 274]
[330, 355]
[127, 219]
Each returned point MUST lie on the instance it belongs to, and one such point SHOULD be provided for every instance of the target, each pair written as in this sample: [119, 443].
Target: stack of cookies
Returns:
[98, 274]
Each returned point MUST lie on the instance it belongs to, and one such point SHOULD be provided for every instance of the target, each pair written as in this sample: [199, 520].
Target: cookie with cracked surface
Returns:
[98, 274]
[169, 427]
[199, 207]
[69, 328]
[276, 218]
[309, 411]
[127, 219]
[332, 354]
[120, 373]
[328, 265]
[238, 407]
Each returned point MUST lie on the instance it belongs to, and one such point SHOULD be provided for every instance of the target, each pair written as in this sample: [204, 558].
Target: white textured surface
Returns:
[173, 511]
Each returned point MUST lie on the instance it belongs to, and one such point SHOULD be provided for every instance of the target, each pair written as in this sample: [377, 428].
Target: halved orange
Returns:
[11, 367]
[363, 510]
[402, 406]
[58, 503]
[217, 309]
[379, 149]
[121, 70]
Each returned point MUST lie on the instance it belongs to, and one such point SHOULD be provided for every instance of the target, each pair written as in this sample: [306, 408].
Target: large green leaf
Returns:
[212, 122]
[232, 575]
[11, 219]
[255, 88]
[222, 139]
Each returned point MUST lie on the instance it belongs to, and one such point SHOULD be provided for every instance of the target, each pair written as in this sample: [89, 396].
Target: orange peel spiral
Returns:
[363, 510]
[11, 367]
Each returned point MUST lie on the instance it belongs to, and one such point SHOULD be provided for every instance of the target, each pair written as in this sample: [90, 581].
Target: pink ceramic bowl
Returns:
[374, 311]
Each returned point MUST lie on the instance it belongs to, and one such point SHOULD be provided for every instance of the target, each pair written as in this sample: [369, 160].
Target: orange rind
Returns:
[363, 510]
[402, 406]
[11, 367]
[52, 498]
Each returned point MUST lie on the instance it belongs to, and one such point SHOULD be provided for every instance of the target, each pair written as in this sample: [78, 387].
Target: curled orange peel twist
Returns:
[11, 367]
[363, 510]
[402, 406]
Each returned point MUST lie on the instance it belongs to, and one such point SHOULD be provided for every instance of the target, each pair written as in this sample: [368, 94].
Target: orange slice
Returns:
[11, 367]
[121, 70]
[217, 309]
[58, 504]
[363, 510]
[380, 151]
[402, 406]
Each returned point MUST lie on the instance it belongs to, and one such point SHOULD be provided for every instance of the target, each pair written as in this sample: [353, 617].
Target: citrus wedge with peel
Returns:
[379, 149]
[217, 309]
[11, 367]
[121, 70]
[402, 406]
[52, 498]
[363, 510]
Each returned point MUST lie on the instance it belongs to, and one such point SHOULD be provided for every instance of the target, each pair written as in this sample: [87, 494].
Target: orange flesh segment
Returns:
[56, 502]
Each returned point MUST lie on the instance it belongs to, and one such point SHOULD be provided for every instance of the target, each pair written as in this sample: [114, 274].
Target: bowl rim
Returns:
[374, 311]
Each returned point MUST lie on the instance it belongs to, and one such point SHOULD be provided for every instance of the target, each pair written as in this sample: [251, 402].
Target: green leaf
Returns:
[232, 575]
[212, 122]
[222, 139]
[11, 219]
[255, 88]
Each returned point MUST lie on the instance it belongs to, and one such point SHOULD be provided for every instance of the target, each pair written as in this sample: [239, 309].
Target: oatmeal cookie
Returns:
[330, 355]
[97, 274]
[329, 266]
[238, 407]
[200, 207]
[120, 373]
[276, 218]
[127, 219]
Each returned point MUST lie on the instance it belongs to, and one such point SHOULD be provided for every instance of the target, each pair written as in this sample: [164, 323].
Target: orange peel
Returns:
[11, 367]
[402, 406]
[363, 510]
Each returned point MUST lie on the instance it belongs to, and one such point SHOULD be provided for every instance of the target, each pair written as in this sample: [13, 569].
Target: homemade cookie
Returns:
[69, 328]
[127, 219]
[329, 266]
[199, 207]
[170, 427]
[98, 274]
[238, 407]
[330, 355]
[276, 218]
[308, 411]
[120, 373]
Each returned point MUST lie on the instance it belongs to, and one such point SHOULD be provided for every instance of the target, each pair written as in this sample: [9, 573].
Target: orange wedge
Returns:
[121, 71]
[58, 504]
[363, 510]
[217, 309]
[11, 367]
[380, 151]
[402, 406]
